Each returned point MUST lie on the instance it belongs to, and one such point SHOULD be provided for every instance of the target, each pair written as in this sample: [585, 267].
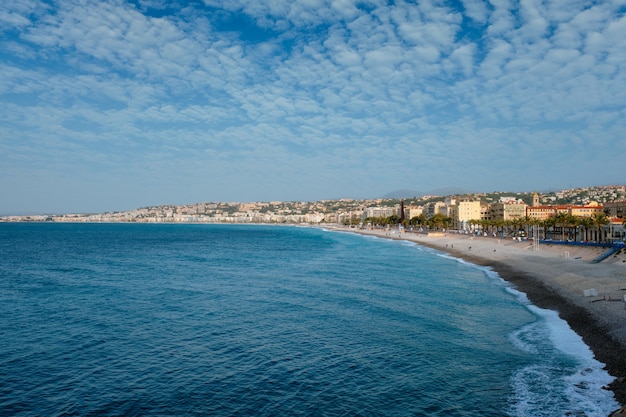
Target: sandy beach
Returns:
[590, 297]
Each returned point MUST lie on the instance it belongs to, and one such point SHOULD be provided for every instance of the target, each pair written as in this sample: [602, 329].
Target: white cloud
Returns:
[501, 20]
[498, 56]
[113, 91]
[280, 14]
[533, 26]
[476, 10]
[13, 20]
[462, 60]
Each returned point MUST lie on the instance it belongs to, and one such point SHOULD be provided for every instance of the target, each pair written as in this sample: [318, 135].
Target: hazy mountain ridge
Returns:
[406, 193]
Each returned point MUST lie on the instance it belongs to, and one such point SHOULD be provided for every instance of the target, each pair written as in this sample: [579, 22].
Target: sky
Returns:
[115, 105]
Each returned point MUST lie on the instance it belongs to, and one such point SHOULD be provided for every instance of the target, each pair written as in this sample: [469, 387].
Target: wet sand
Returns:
[590, 297]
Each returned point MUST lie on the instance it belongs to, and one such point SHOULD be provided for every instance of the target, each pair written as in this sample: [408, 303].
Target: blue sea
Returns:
[249, 320]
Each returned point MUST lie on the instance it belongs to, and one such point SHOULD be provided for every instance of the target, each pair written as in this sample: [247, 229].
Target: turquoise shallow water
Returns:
[151, 320]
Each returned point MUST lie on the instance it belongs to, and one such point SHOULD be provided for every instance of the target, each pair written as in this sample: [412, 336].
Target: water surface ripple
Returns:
[184, 320]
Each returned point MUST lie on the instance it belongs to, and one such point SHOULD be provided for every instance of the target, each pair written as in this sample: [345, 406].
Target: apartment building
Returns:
[413, 211]
[544, 212]
[615, 208]
[464, 211]
[509, 210]
[541, 212]
[379, 212]
[587, 210]
[438, 207]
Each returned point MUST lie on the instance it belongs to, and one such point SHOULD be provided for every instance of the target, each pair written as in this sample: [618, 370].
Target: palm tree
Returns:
[516, 224]
[418, 220]
[587, 223]
[600, 219]
[576, 221]
[526, 222]
[506, 227]
[478, 225]
[565, 220]
[481, 225]
[560, 220]
[472, 223]
[548, 224]
[497, 223]
[439, 220]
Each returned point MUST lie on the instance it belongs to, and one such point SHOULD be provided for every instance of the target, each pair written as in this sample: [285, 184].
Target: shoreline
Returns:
[556, 278]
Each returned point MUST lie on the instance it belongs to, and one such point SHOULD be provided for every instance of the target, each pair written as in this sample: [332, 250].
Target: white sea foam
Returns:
[521, 296]
[581, 387]
[579, 384]
[562, 336]
[520, 337]
[540, 391]
[459, 260]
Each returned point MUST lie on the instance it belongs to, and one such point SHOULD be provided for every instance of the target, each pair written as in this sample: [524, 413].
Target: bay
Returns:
[140, 319]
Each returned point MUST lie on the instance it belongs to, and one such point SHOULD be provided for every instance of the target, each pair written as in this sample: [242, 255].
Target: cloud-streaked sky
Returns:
[114, 105]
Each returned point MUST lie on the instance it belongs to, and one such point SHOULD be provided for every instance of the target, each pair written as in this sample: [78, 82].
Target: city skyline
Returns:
[580, 196]
[110, 106]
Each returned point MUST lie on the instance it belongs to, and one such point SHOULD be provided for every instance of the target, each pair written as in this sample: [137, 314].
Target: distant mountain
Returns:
[445, 191]
[405, 193]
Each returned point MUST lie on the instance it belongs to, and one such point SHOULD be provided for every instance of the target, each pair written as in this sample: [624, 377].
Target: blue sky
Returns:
[114, 105]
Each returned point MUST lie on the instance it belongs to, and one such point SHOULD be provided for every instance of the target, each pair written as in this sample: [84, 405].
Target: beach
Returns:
[589, 296]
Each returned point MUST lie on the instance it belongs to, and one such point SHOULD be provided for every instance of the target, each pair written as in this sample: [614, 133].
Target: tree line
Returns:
[563, 226]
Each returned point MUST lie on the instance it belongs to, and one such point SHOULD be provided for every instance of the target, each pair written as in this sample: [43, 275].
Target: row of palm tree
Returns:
[436, 222]
[563, 226]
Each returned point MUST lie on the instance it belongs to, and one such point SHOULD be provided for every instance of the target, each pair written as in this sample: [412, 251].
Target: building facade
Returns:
[615, 209]
[508, 210]
[464, 211]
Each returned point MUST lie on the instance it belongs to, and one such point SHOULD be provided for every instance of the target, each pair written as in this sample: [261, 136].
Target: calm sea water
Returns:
[207, 320]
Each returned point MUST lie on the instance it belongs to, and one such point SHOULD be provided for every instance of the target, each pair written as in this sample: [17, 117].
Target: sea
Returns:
[262, 320]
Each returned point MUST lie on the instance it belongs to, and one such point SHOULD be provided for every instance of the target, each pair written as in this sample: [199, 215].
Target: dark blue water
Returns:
[184, 320]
